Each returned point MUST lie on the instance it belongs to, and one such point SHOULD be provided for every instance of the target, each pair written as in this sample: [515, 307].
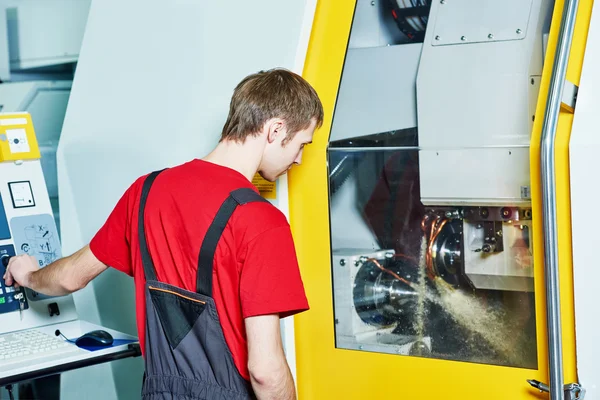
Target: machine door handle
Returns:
[573, 391]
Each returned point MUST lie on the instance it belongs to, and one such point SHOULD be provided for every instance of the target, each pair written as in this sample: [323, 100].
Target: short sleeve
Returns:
[110, 245]
[270, 280]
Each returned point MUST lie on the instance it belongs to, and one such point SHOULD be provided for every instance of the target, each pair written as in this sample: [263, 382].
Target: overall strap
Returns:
[149, 270]
[236, 198]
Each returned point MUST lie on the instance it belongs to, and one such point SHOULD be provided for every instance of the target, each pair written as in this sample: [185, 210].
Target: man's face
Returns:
[280, 155]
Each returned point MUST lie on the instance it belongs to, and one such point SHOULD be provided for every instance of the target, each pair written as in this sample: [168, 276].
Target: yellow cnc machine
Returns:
[418, 214]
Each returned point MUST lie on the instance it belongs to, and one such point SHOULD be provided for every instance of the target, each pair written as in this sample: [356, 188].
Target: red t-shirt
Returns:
[255, 267]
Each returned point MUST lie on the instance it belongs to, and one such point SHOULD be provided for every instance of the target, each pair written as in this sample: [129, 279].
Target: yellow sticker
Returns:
[267, 189]
[17, 137]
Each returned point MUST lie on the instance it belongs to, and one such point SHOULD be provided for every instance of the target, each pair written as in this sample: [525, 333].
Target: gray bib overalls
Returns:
[186, 356]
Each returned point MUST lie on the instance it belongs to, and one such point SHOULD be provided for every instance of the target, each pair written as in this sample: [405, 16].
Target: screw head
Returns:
[437, 37]
[490, 36]
[519, 31]
[442, 1]
[372, 3]
[463, 38]
[342, 262]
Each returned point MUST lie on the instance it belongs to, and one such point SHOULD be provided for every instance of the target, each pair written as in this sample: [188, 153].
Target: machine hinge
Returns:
[569, 96]
[573, 391]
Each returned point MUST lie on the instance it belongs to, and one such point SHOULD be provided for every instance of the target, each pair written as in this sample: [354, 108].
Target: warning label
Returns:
[267, 189]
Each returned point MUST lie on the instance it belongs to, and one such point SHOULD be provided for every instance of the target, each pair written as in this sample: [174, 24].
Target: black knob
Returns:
[5, 260]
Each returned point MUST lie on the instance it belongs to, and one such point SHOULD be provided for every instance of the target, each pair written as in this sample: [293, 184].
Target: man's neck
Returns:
[242, 157]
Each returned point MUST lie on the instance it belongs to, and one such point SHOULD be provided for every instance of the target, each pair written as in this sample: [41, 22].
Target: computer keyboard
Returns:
[30, 345]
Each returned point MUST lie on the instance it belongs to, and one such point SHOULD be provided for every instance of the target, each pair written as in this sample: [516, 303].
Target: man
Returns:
[214, 264]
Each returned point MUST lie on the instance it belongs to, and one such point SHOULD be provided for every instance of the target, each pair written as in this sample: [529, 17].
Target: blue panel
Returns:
[4, 231]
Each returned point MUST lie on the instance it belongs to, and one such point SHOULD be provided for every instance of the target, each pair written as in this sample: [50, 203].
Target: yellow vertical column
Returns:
[563, 202]
[309, 214]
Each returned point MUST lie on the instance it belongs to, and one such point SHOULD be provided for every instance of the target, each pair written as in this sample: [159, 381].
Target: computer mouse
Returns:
[94, 338]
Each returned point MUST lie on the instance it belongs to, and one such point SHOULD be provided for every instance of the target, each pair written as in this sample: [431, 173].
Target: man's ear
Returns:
[275, 128]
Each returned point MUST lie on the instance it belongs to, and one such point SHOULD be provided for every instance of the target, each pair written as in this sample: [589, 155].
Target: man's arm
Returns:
[269, 372]
[61, 277]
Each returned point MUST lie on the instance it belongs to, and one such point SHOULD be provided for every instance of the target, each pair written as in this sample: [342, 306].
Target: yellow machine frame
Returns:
[324, 372]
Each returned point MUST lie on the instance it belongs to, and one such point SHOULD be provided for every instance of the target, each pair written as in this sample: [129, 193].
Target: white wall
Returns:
[152, 89]
[36, 34]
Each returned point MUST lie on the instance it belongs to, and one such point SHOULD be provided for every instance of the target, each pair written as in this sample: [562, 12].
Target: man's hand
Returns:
[63, 276]
[19, 270]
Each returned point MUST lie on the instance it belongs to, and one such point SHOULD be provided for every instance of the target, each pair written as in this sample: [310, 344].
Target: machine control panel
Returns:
[9, 296]
[27, 227]
[37, 236]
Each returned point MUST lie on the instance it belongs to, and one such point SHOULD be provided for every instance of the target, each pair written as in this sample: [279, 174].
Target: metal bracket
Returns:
[569, 96]
[573, 391]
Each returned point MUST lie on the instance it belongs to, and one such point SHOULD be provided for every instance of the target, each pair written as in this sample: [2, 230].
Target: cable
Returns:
[395, 275]
[434, 230]
[423, 18]
[416, 19]
[59, 333]
[411, 16]
[438, 230]
[409, 258]
[10, 393]
[409, 20]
